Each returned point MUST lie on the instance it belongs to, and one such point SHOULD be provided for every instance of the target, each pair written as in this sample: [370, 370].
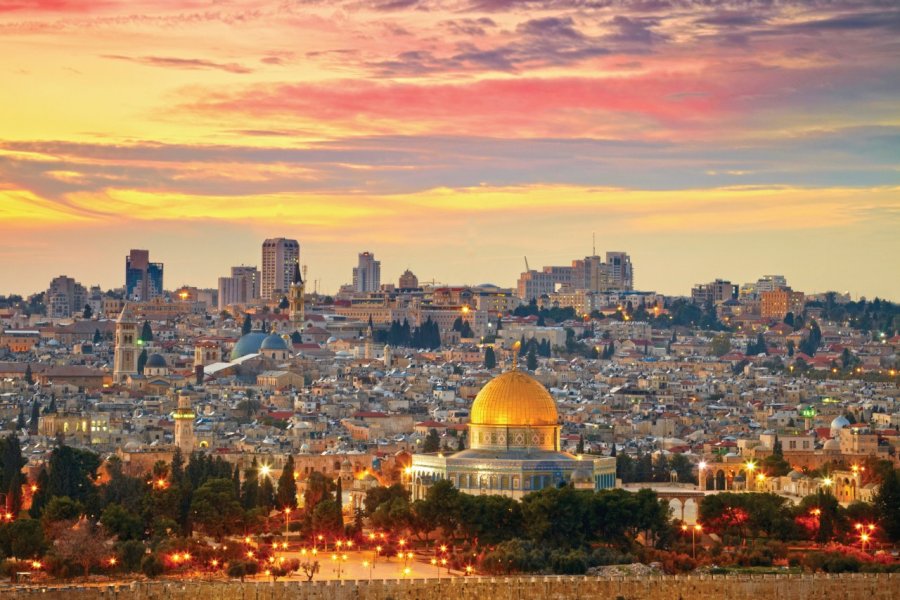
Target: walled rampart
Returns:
[688, 587]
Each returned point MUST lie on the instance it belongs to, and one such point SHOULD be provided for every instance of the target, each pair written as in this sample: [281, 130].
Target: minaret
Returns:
[184, 424]
[367, 349]
[298, 314]
[127, 351]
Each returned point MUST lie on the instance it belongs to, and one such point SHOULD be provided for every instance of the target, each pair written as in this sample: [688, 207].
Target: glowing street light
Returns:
[697, 528]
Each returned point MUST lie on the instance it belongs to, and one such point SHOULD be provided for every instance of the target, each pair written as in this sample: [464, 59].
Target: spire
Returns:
[297, 278]
[515, 355]
[126, 315]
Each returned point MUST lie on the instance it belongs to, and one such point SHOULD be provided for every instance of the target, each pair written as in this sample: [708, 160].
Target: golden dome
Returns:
[514, 399]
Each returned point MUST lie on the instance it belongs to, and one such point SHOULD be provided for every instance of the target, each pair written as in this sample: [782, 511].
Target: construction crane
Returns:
[527, 268]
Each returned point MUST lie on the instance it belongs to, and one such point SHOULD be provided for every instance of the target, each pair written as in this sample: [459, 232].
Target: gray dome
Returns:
[839, 423]
[273, 342]
[156, 361]
[248, 344]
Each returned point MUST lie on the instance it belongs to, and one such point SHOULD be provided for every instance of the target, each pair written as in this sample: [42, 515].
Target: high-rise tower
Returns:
[143, 279]
[621, 273]
[298, 312]
[279, 255]
[367, 276]
[126, 353]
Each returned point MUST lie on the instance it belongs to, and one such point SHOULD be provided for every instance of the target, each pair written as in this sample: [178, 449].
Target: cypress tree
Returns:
[247, 325]
[146, 332]
[250, 489]
[14, 494]
[531, 361]
[287, 486]
[177, 467]
[41, 497]
[490, 359]
[35, 418]
[236, 481]
[11, 460]
[266, 494]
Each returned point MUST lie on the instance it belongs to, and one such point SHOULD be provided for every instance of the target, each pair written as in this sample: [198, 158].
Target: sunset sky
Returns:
[452, 137]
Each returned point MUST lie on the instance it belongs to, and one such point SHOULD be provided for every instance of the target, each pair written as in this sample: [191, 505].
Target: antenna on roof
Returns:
[594, 246]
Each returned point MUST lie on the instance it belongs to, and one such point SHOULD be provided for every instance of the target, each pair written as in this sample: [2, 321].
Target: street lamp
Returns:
[287, 516]
[865, 533]
[339, 560]
[369, 565]
[694, 531]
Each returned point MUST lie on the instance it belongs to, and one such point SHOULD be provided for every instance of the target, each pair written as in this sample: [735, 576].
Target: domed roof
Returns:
[839, 422]
[156, 361]
[514, 398]
[273, 342]
[248, 344]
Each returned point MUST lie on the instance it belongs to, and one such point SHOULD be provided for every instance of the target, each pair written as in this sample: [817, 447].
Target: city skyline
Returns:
[452, 138]
[395, 272]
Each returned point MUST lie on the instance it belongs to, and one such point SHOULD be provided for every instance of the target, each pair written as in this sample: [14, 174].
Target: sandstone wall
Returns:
[691, 587]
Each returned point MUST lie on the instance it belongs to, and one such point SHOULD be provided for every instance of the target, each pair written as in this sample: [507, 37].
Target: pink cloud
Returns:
[54, 6]
[569, 103]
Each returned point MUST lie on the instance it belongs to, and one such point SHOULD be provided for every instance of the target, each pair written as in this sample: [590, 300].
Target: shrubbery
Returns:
[152, 566]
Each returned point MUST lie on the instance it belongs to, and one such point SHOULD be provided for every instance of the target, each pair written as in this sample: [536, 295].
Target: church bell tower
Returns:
[126, 353]
[298, 314]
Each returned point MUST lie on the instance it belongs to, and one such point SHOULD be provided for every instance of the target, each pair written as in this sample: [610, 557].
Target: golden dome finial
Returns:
[515, 354]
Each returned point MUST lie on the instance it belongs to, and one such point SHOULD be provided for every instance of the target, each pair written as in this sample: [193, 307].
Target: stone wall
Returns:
[693, 587]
